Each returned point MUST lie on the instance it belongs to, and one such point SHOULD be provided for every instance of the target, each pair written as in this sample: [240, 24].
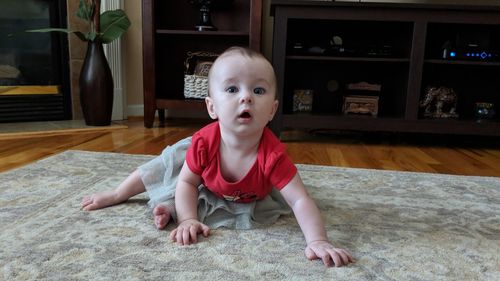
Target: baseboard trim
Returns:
[135, 110]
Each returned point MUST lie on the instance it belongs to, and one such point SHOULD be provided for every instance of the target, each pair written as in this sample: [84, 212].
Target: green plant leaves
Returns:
[85, 10]
[84, 37]
[113, 24]
[50, 30]
[90, 36]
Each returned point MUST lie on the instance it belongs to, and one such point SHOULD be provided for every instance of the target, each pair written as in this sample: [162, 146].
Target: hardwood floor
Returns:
[380, 152]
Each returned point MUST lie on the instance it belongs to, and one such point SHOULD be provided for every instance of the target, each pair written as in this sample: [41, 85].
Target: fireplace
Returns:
[34, 68]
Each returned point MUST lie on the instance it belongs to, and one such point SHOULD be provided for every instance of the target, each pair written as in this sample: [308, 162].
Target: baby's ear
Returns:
[210, 108]
[274, 109]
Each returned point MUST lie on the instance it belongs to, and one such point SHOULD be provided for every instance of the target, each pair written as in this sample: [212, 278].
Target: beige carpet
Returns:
[400, 226]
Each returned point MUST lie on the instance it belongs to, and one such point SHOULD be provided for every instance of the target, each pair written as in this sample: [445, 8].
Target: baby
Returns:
[232, 173]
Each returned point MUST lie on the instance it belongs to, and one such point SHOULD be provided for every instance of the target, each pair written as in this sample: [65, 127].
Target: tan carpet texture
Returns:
[399, 226]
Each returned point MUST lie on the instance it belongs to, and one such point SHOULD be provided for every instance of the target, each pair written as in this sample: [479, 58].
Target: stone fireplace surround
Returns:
[77, 50]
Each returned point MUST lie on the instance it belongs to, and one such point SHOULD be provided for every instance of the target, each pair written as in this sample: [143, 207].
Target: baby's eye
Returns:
[259, 91]
[232, 89]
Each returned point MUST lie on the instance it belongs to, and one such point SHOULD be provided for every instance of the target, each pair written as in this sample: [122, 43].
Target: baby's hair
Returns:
[243, 51]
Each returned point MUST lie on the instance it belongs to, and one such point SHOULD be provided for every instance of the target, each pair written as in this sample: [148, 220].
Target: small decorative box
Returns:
[361, 105]
[302, 100]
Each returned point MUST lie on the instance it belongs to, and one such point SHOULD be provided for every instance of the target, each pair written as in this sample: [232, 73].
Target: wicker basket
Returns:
[195, 87]
[197, 65]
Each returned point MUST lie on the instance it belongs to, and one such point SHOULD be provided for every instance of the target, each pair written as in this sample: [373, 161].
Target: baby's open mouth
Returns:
[245, 115]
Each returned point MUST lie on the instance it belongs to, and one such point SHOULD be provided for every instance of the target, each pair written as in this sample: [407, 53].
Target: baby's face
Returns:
[242, 93]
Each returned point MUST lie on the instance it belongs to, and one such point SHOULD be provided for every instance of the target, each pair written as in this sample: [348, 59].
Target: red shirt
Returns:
[272, 167]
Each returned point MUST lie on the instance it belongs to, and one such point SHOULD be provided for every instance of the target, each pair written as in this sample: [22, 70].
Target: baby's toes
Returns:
[161, 221]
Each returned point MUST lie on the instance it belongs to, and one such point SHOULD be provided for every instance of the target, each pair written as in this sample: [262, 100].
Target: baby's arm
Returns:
[311, 223]
[131, 186]
[186, 205]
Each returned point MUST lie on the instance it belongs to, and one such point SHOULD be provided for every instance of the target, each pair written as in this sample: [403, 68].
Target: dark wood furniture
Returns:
[397, 46]
[169, 33]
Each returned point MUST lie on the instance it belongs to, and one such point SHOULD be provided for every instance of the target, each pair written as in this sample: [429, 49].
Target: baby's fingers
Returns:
[310, 254]
[193, 234]
[346, 256]
[205, 230]
[177, 235]
[173, 235]
[340, 257]
[336, 257]
[184, 237]
[329, 255]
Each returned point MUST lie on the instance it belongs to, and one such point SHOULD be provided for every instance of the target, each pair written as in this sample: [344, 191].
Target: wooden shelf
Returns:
[201, 33]
[412, 34]
[462, 62]
[189, 104]
[169, 34]
[353, 59]
[368, 123]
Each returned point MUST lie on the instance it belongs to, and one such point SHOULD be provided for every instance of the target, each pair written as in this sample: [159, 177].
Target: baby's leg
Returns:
[162, 213]
[131, 186]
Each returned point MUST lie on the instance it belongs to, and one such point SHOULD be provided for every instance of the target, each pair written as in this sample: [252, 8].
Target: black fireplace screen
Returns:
[34, 71]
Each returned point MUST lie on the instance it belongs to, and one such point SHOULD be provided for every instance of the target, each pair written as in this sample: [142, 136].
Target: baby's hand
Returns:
[325, 251]
[187, 232]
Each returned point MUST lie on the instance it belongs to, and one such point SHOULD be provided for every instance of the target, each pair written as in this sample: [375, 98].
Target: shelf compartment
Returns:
[383, 39]
[393, 81]
[170, 61]
[461, 39]
[234, 17]
[472, 83]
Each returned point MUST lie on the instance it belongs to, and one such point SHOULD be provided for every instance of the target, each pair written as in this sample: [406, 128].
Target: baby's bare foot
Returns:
[162, 216]
[99, 200]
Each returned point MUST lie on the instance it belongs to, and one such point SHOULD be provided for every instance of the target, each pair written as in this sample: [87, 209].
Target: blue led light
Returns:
[453, 54]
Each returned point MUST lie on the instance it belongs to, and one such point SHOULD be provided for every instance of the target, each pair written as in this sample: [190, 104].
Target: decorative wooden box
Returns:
[361, 105]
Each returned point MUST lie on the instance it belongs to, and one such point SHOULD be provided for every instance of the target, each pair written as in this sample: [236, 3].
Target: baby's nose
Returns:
[246, 97]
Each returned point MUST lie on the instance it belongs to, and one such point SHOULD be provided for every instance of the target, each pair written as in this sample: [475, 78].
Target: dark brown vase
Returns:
[96, 86]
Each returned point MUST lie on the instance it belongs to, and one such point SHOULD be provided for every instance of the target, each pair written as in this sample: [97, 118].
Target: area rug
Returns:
[399, 226]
